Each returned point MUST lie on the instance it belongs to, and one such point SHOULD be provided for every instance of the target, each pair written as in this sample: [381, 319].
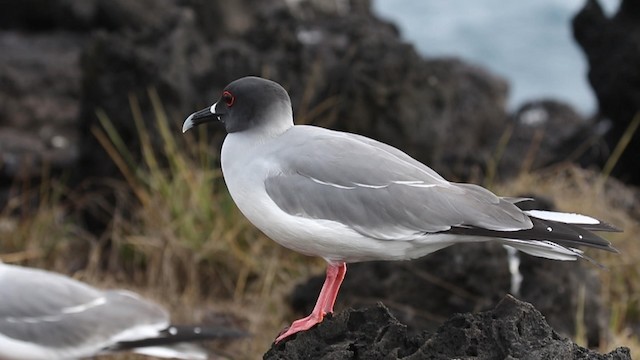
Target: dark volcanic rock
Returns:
[566, 293]
[513, 330]
[547, 132]
[422, 293]
[66, 61]
[39, 88]
[370, 333]
[469, 277]
[39, 91]
[612, 47]
[344, 68]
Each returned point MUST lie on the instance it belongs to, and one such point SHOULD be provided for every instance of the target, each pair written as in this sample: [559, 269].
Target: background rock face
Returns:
[345, 69]
[513, 330]
[612, 47]
[39, 92]
[548, 132]
[65, 61]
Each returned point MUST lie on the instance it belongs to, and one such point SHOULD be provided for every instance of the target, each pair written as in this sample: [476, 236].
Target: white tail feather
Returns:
[545, 249]
[567, 218]
[176, 351]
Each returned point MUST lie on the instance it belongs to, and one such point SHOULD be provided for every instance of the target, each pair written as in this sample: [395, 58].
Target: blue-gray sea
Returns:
[528, 42]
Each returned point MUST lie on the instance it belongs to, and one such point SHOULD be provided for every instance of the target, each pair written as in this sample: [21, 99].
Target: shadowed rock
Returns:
[612, 47]
[472, 277]
[345, 68]
[547, 132]
[513, 330]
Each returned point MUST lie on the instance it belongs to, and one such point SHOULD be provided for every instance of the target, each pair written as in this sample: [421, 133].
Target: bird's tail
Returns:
[171, 342]
[555, 235]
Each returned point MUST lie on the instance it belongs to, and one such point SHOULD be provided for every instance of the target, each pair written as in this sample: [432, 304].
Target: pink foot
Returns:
[300, 325]
[324, 305]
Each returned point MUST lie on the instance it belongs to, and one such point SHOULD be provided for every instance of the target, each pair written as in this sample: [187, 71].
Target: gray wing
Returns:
[55, 311]
[378, 190]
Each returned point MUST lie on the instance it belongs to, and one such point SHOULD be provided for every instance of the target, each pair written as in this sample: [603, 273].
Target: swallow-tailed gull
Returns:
[49, 316]
[348, 198]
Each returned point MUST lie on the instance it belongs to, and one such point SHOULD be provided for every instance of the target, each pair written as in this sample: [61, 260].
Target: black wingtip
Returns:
[593, 261]
[612, 249]
[567, 235]
[602, 226]
[182, 333]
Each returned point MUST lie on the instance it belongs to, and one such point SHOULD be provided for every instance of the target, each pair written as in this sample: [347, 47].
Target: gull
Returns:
[348, 198]
[49, 316]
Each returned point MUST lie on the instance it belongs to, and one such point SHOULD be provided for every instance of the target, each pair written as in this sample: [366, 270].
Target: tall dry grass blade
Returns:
[176, 159]
[45, 190]
[624, 141]
[316, 111]
[203, 152]
[115, 138]
[121, 164]
[145, 141]
[580, 323]
[532, 152]
[309, 89]
[582, 148]
[494, 161]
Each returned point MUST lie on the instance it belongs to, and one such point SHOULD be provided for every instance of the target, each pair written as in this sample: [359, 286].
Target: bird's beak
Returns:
[201, 117]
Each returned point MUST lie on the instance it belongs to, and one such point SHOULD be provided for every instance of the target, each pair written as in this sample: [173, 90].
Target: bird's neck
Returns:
[273, 125]
[247, 142]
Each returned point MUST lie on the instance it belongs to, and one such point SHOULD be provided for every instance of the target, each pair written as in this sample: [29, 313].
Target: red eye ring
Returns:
[228, 98]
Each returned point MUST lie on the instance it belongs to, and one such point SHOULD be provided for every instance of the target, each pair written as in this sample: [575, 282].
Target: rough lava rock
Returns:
[39, 92]
[547, 132]
[345, 68]
[471, 277]
[422, 293]
[512, 330]
[612, 48]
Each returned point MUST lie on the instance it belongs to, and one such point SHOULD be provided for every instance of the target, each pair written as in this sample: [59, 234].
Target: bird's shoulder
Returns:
[39, 292]
[319, 152]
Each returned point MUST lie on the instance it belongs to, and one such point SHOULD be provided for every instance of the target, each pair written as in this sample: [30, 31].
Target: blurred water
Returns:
[529, 42]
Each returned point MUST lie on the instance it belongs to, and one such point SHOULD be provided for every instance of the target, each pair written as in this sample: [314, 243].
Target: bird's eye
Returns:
[228, 98]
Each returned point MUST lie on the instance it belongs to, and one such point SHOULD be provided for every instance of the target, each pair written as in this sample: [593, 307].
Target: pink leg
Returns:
[332, 294]
[324, 305]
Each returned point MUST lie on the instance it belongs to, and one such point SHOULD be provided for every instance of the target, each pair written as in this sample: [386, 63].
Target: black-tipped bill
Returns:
[200, 117]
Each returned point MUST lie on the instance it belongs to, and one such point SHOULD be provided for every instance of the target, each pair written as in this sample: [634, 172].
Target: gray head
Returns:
[248, 103]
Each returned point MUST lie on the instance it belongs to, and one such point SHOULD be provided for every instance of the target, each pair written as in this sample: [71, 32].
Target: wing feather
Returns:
[56, 311]
[380, 191]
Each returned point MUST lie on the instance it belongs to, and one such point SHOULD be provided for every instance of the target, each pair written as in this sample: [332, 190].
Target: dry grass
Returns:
[187, 246]
[194, 241]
